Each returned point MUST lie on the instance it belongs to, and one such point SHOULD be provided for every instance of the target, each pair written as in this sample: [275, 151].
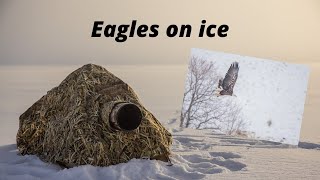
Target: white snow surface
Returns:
[196, 154]
[267, 91]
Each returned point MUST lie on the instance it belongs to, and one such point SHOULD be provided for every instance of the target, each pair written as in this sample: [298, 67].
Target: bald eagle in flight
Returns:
[226, 85]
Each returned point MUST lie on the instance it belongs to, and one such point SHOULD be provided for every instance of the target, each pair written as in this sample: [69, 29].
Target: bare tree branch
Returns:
[201, 109]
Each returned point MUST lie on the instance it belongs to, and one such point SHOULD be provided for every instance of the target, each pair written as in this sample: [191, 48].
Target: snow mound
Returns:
[192, 166]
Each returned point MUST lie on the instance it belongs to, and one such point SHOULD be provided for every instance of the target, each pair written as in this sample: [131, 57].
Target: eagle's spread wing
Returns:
[230, 78]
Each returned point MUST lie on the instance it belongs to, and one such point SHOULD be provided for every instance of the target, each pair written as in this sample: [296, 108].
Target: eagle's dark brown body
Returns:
[229, 80]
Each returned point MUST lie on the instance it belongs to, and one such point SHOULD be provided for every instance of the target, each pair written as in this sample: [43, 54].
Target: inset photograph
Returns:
[244, 96]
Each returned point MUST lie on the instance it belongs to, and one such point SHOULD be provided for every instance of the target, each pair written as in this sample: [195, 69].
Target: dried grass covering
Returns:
[70, 124]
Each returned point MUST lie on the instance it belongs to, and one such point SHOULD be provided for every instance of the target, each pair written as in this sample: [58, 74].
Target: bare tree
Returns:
[201, 108]
[198, 88]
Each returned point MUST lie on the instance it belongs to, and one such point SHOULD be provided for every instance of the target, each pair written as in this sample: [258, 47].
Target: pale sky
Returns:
[58, 32]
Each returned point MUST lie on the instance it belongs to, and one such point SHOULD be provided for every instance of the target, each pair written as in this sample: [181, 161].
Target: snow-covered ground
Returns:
[271, 94]
[196, 154]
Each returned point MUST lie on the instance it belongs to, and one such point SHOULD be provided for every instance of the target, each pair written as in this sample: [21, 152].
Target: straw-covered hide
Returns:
[70, 125]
